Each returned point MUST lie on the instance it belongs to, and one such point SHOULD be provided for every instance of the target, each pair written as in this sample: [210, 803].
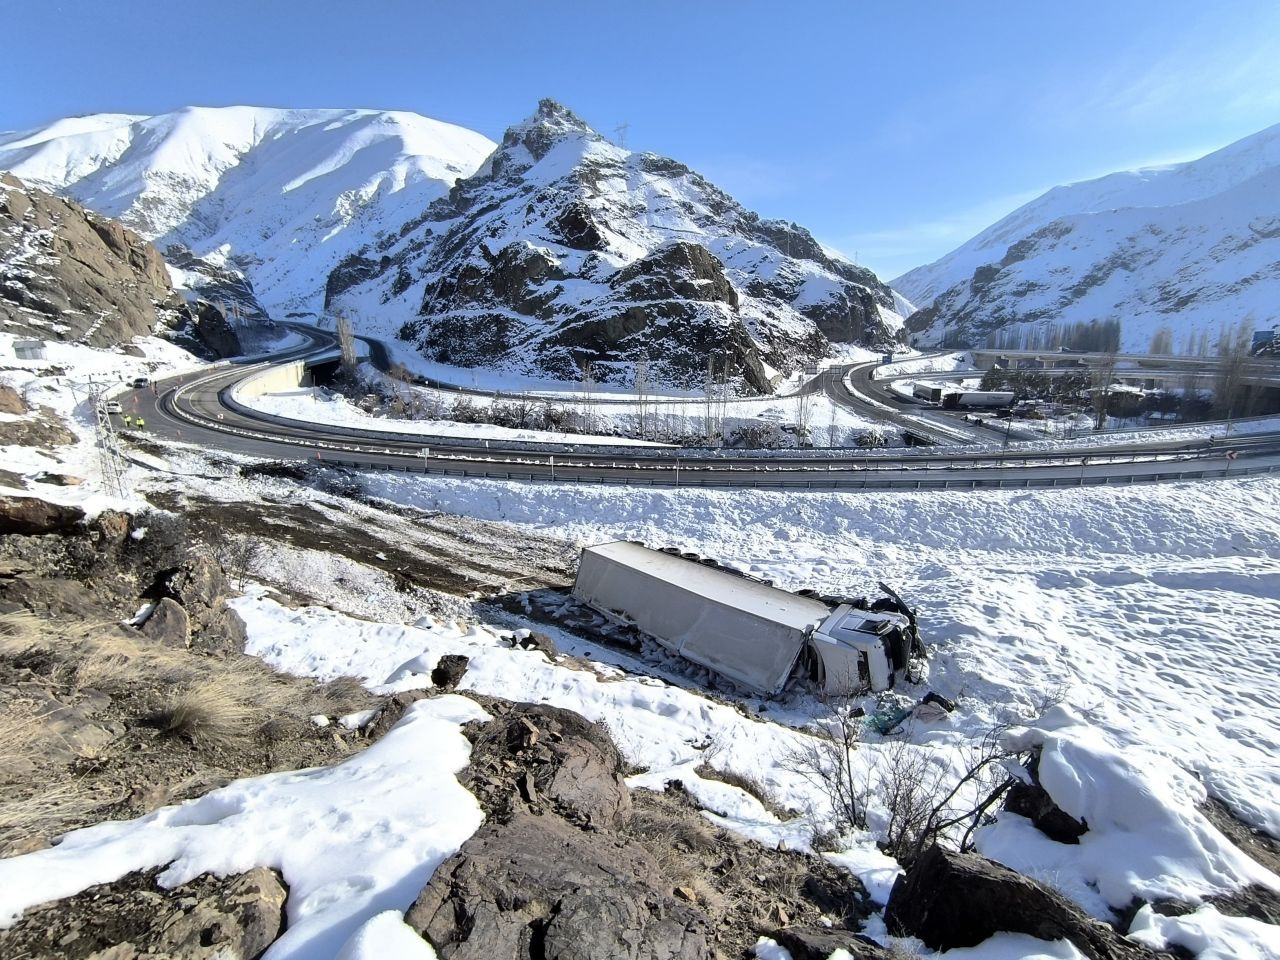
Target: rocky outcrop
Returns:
[960, 899]
[214, 336]
[210, 918]
[69, 274]
[200, 586]
[536, 888]
[546, 759]
[548, 876]
[564, 249]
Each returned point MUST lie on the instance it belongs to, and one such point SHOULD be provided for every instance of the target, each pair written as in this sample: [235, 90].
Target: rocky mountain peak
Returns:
[529, 141]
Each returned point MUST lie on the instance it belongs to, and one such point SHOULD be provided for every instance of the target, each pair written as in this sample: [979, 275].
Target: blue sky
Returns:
[894, 131]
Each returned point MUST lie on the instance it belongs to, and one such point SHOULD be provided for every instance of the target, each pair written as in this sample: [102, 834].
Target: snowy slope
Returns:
[565, 247]
[281, 195]
[1191, 246]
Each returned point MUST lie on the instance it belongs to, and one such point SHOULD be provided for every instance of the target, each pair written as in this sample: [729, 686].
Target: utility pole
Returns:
[620, 131]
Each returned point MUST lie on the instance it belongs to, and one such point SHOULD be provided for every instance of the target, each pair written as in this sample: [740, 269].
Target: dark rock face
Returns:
[960, 899]
[28, 516]
[68, 274]
[603, 256]
[354, 269]
[537, 888]
[214, 336]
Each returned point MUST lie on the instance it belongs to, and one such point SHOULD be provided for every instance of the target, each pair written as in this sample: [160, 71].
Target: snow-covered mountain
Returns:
[279, 195]
[1189, 246]
[565, 248]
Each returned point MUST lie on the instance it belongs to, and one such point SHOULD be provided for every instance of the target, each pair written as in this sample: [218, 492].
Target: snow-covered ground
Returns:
[1149, 613]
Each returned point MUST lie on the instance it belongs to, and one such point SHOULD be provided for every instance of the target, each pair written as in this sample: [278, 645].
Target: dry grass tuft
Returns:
[212, 712]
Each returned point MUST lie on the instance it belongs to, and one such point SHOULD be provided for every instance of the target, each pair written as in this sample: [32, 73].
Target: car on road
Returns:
[140, 382]
[113, 406]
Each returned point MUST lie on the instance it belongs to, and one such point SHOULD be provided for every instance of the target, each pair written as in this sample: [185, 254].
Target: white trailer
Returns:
[741, 627]
[977, 398]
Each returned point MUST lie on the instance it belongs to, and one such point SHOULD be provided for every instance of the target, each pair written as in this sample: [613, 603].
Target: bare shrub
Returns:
[826, 760]
[922, 799]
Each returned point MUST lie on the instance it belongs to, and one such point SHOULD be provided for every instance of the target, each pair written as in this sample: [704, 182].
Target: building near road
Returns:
[744, 628]
[29, 349]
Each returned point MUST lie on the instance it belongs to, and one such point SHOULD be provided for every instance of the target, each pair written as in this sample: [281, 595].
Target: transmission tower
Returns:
[620, 131]
[110, 460]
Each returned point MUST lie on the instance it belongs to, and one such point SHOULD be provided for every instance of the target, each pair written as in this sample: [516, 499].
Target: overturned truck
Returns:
[743, 627]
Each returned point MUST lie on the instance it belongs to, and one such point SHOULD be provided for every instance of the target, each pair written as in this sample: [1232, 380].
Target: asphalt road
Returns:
[193, 408]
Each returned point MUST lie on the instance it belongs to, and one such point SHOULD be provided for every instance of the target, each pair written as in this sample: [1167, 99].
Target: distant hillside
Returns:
[1191, 247]
[278, 195]
[565, 249]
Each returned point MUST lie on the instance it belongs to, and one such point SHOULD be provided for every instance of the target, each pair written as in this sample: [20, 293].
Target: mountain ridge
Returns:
[564, 249]
[1186, 246]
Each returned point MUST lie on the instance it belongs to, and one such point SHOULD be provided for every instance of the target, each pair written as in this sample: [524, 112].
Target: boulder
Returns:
[960, 899]
[112, 527]
[11, 400]
[536, 888]
[449, 670]
[556, 761]
[58, 479]
[533, 640]
[168, 624]
[27, 516]
[819, 943]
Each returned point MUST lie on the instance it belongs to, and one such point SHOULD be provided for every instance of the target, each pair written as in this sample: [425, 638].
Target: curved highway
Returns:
[196, 408]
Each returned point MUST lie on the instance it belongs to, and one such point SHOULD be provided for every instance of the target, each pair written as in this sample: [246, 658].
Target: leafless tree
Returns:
[1103, 376]
[1162, 341]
